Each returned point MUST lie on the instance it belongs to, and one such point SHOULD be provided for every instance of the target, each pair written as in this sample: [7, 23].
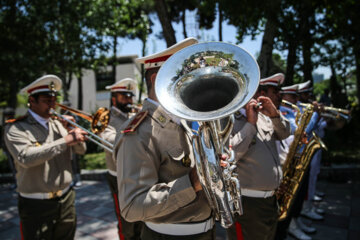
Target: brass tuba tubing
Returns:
[206, 83]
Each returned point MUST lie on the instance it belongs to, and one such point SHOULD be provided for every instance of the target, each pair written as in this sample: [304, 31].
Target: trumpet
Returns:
[98, 122]
[337, 113]
[334, 113]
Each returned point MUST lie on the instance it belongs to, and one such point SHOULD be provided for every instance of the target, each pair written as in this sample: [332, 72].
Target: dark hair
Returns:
[263, 88]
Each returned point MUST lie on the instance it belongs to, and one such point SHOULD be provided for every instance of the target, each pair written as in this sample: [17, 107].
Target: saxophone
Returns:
[297, 160]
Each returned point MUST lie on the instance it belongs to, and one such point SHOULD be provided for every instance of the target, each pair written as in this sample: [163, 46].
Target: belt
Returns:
[48, 195]
[113, 173]
[181, 229]
[256, 193]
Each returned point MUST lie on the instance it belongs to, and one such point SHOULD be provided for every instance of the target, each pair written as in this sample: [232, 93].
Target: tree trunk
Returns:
[220, 23]
[12, 102]
[265, 58]
[65, 88]
[80, 92]
[291, 60]
[114, 58]
[142, 71]
[183, 20]
[168, 31]
[306, 46]
[335, 89]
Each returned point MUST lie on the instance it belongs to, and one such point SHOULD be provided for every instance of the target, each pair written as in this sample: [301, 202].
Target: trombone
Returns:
[98, 122]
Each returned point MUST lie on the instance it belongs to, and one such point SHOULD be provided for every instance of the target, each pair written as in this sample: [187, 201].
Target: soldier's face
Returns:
[122, 102]
[274, 95]
[42, 105]
[304, 97]
[290, 98]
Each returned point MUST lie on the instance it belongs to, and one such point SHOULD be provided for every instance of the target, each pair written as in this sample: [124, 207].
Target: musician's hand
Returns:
[267, 107]
[66, 124]
[282, 189]
[75, 136]
[316, 106]
[195, 182]
[251, 111]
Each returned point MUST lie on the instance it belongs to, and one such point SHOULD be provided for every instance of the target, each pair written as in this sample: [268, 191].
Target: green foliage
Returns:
[92, 161]
[320, 87]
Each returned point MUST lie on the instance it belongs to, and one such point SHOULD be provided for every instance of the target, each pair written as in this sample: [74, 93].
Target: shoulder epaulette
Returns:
[16, 119]
[135, 122]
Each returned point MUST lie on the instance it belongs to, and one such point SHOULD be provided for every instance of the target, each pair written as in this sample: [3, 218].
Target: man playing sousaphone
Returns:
[156, 181]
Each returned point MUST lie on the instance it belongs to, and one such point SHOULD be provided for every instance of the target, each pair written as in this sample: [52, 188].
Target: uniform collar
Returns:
[43, 121]
[159, 111]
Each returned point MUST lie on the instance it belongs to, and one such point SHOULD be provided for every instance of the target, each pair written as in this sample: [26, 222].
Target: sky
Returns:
[131, 47]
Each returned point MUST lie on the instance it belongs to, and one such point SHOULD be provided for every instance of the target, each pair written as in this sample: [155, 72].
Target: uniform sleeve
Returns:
[26, 152]
[109, 134]
[240, 141]
[281, 127]
[293, 125]
[312, 124]
[141, 196]
[79, 148]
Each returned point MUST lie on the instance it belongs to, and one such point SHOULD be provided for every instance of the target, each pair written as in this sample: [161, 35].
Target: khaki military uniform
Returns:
[44, 177]
[259, 172]
[126, 230]
[153, 175]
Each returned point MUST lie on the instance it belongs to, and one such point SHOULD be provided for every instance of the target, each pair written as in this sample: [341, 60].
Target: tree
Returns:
[165, 20]
[341, 21]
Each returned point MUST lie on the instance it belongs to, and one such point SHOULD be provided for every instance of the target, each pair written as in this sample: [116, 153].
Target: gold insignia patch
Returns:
[162, 119]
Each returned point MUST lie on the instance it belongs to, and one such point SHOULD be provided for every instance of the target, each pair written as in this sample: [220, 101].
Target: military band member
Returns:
[157, 184]
[253, 140]
[309, 210]
[292, 224]
[122, 93]
[42, 149]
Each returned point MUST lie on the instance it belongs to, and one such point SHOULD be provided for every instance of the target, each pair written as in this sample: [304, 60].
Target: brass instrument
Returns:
[338, 113]
[334, 113]
[98, 122]
[297, 160]
[207, 83]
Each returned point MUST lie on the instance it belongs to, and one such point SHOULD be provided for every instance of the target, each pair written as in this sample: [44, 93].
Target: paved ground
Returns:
[96, 219]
